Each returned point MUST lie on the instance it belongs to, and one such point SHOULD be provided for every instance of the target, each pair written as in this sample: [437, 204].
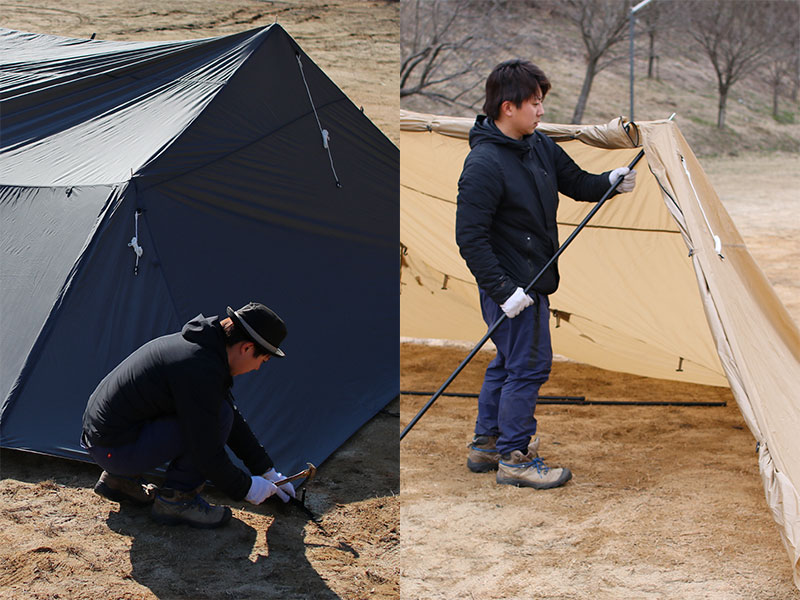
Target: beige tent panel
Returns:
[643, 289]
[757, 339]
[607, 275]
[648, 323]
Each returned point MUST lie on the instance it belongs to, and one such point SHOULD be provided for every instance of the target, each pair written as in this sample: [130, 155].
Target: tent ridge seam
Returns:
[220, 157]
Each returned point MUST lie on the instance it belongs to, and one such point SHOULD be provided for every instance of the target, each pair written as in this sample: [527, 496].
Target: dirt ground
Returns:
[665, 502]
[59, 540]
[760, 191]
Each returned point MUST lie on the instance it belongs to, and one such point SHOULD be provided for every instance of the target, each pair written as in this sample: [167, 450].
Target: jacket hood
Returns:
[485, 131]
[207, 333]
[204, 331]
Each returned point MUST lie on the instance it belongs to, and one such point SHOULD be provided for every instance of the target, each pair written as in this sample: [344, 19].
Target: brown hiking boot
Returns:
[120, 488]
[483, 454]
[527, 470]
[173, 507]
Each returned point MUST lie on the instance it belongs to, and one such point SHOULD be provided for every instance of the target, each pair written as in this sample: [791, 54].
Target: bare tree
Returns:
[603, 25]
[736, 36]
[439, 55]
[657, 17]
[782, 60]
[448, 47]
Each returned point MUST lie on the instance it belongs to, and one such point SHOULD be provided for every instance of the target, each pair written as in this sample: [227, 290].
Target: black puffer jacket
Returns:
[184, 374]
[507, 200]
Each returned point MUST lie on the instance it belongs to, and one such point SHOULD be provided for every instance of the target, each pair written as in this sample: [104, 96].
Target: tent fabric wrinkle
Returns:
[114, 95]
[644, 284]
[143, 183]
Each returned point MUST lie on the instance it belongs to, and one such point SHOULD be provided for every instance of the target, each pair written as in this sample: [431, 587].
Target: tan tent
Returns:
[659, 283]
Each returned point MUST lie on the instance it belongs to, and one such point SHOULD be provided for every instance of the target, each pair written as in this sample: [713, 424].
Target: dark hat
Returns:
[261, 325]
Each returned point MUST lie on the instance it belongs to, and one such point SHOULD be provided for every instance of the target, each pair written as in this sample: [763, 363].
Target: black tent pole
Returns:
[497, 323]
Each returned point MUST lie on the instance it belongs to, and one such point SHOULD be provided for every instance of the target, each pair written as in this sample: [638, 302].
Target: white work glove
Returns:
[518, 302]
[286, 490]
[628, 179]
[260, 490]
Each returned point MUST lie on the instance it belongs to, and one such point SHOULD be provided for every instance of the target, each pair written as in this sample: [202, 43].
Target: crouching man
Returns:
[170, 403]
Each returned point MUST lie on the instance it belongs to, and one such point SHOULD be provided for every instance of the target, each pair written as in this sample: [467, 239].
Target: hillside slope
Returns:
[686, 85]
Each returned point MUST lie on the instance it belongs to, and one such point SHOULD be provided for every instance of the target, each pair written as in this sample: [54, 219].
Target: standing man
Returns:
[170, 402]
[506, 232]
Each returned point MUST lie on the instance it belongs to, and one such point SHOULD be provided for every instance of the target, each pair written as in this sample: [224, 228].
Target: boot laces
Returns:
[201, 503]
[541, 468]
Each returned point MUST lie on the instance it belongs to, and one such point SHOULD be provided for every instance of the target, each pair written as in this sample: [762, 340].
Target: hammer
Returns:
[307, 474]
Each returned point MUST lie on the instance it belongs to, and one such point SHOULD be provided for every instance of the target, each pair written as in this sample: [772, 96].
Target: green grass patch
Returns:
[785, 117]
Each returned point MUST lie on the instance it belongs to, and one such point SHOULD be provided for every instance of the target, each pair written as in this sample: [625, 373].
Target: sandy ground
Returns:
[665, 502]
[760, 191]
[59, 540]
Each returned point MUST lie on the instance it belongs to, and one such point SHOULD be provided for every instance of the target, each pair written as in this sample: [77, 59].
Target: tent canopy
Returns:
[210, 154]
[645, 288]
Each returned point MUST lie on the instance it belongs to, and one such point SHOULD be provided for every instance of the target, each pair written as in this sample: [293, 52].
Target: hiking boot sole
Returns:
[101, 489]
[566, 475]
[170, 520]
[481, 467]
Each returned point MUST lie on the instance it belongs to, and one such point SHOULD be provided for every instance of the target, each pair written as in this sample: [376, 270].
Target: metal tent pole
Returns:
[497, 323]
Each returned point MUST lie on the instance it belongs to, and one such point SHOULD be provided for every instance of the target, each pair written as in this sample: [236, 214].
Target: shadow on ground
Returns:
[267, 551]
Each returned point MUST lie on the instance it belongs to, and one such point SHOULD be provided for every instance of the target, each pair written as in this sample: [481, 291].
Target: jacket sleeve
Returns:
[480, 190]
[199, 393]
[575, 182]
[246, 446]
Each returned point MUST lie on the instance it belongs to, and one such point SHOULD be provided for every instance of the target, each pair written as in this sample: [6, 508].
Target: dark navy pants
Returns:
[511, 385]
[159, 442]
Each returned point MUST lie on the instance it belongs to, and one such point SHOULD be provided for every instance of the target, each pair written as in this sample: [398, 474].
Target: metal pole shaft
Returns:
[502, 318]
[632, 17]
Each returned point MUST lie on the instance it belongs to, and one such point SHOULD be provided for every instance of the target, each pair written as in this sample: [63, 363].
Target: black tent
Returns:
[243, 173]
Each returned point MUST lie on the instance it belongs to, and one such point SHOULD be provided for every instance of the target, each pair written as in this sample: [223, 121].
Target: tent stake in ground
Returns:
[497, 323]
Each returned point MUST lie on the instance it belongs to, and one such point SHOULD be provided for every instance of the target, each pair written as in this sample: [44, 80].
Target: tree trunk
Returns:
[775, 87]
[723, 99]
[651, 58]
[591, 67]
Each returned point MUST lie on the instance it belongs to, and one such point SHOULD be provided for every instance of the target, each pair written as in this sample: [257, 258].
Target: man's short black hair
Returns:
[514, 80]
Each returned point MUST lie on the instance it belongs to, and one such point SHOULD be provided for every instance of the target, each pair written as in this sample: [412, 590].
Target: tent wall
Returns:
[621, 304]
[42, 232]
[758, 341]
[102, 314]
[237, 202]
[641, 287]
